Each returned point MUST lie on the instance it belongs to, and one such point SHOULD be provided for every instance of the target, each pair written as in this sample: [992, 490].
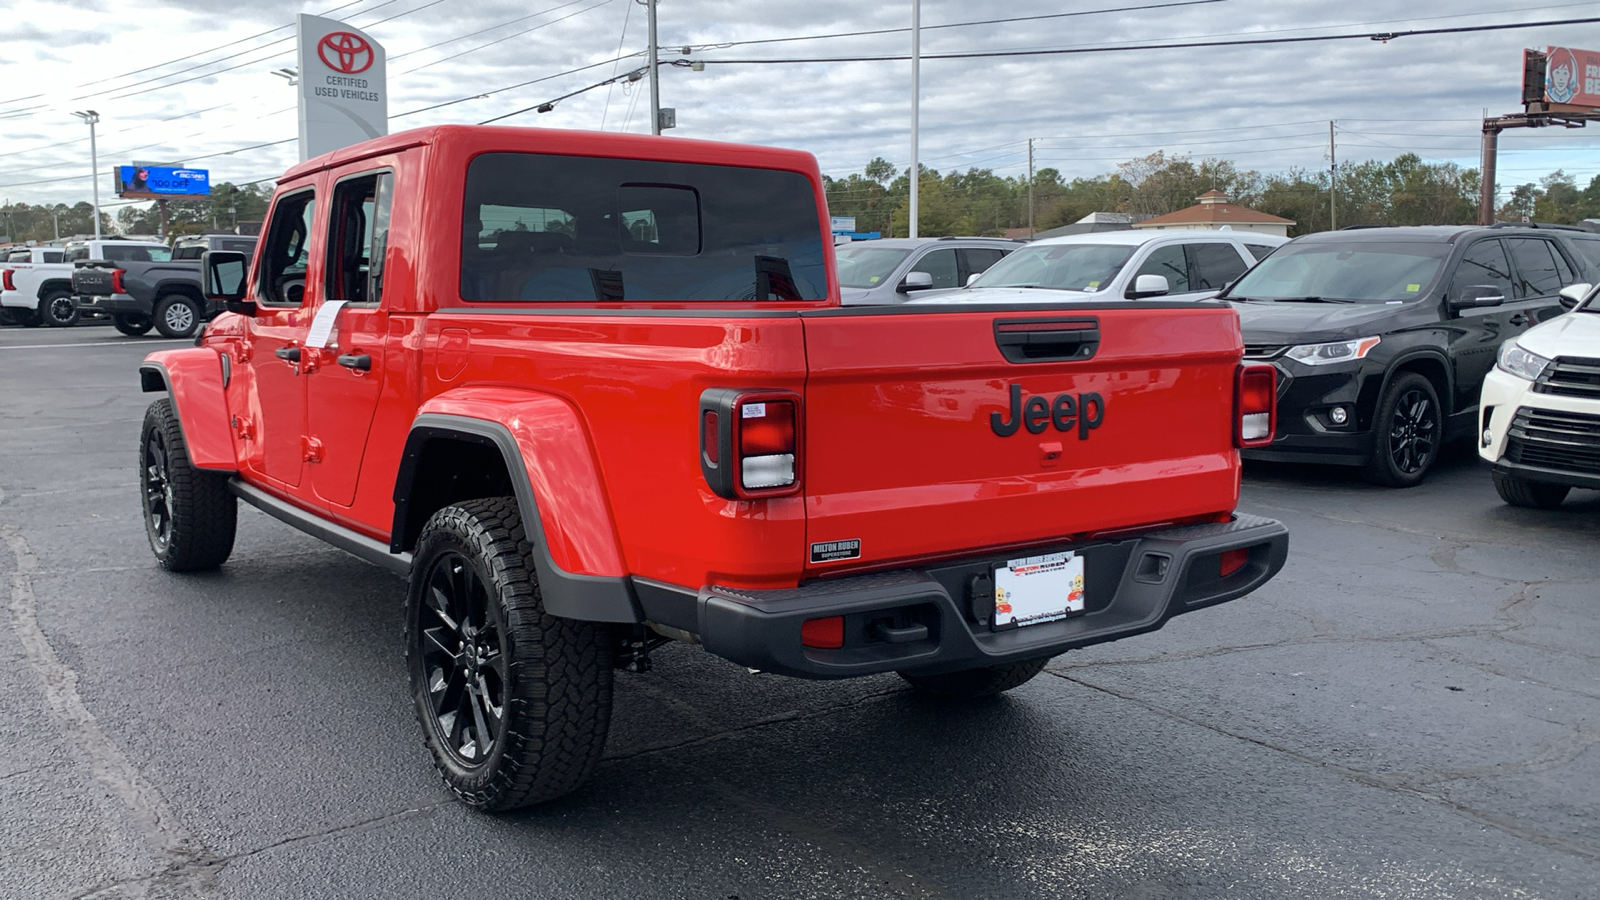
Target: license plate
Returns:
[1038, 589]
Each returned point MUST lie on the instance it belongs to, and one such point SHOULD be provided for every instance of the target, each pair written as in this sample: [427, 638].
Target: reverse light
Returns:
[750, 442]
[1255, 403]
[823, 634]
[116, 281]
[1335, 352]
[5, 280]
[1519, 362]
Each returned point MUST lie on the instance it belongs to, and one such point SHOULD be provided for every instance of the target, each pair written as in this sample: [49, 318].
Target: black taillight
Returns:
[750, 442]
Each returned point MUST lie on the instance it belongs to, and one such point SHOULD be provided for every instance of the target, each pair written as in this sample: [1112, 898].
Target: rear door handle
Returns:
[292, 354]
[360, 362]
[1518, 319]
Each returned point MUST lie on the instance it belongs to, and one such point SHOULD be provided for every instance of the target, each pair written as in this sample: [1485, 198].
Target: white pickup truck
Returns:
[36, 282]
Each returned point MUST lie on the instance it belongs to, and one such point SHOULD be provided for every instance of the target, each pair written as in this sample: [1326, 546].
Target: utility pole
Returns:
[655, 73]
[1030, 189]
[91, 117]
[1333, 182]
[916, 75]
[1491, 153]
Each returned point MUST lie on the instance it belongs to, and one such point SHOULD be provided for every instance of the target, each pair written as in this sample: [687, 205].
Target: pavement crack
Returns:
[145, 810]
[1395, 784]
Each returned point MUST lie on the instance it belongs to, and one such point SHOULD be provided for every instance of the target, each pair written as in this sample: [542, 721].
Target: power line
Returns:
[722, 45]
[627, 13]
[1381, 36]
[504, 38]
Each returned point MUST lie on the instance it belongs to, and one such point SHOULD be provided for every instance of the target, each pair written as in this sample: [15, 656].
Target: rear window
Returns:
[567, 228]
[136, 253]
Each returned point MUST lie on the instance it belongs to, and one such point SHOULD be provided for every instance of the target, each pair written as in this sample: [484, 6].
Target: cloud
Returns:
[1265, 107]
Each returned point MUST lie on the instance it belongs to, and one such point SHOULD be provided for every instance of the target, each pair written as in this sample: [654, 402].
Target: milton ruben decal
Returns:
[833, 551]
[1064, 412]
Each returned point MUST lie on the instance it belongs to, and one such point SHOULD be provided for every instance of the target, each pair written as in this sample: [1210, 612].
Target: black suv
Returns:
[1382, 336]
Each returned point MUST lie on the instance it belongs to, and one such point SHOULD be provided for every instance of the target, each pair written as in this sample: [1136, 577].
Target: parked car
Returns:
[1118, 265]
[140, 290]
[892, 270]
[1382, 336]
[579, 434]
[1539, 414]
[40, 291]
[20, 259]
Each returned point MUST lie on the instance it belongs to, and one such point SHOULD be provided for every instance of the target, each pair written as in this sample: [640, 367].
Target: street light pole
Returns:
[655, 73]
[91, 118]
[916, 74]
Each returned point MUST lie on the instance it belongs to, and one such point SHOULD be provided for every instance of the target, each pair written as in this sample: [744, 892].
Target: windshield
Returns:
[1068, 267]
[1363, 273]
[866, 267]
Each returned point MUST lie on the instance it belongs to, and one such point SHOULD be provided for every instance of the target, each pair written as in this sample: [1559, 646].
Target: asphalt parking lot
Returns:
[1412, 709]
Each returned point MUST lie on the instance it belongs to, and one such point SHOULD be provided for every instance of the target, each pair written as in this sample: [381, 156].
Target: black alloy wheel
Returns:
[514, 703]
[461, 645]
[58, 309]
[157, 484]
[190, 516]
[1408, 432]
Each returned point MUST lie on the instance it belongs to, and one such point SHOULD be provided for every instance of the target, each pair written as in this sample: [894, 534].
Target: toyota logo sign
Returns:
[345, 52]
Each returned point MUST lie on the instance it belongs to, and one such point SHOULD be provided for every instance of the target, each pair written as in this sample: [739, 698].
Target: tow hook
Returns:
[633, 651]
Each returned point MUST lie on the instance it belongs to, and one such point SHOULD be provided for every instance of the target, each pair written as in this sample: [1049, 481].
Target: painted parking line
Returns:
[100, 344]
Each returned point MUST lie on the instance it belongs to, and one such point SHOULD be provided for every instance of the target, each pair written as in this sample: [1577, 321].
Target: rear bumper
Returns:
[1134, 585]
[115, 303]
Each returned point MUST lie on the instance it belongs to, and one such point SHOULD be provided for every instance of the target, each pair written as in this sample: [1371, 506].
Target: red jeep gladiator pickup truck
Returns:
[590, 392]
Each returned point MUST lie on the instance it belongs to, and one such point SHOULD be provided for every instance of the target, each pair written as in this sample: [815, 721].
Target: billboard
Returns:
[1572, 76]
[343, 86]
[159, 182]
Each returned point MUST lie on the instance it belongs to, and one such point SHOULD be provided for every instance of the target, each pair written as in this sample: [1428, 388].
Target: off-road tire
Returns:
[554, 674]
[58, 310]
[189, 514]
[1390, 465]
[176, 316]
[1533, 494]
[975, 684]
[132, 324]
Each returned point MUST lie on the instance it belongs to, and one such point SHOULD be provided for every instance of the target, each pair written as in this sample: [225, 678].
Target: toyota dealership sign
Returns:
[343, 86]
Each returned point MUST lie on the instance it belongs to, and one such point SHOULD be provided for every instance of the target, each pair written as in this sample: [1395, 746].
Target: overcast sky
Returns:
[1265, 108]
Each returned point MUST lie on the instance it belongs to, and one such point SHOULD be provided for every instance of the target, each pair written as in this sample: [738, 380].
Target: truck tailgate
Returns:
[932, 432]
[92, 281]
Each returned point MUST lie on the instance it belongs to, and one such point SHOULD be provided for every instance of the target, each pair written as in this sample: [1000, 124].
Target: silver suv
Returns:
[889, 271]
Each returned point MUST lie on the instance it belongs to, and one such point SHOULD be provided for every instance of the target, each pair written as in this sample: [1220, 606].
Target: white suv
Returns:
[1186, 264]
[1539, 416]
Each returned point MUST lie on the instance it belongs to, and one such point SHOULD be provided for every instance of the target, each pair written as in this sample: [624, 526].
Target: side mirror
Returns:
[1478, 296]
[1149, 286]
[1573, 294]
[973, 277]
[224, 272]
[916, 281]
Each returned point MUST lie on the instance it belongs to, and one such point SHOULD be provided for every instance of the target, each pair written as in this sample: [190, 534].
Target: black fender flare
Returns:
[590, 598]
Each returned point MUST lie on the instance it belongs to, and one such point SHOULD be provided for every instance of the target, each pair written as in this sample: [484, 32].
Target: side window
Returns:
[188, 252]
[1260, 251]
[76, 254]
[1536, 268]
[1167, 261]
[941, 264]
[52, 256]
[978, 259]
[357, 237]
[1563, 268]
[1484, 264]
[245, 247]
[1589, 249]
[1215, 265]
[288, 246]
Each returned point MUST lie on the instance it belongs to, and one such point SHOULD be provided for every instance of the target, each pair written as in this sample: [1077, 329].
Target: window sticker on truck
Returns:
[833, 551]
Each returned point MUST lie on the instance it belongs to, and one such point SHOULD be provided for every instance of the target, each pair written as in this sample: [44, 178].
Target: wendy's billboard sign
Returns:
[344, 94]
[1572, 77]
